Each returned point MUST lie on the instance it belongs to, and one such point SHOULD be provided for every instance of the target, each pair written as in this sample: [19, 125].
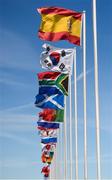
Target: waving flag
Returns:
[47, 157]
[54, 102]
[48, 133]
[49, 140]
[52, 115]
[56, 59]
[48, 147]
[46, 171]
[60, 24]
[53, 83]
[48, 125]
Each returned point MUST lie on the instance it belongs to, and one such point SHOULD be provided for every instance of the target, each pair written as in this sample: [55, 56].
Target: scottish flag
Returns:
[55, 101]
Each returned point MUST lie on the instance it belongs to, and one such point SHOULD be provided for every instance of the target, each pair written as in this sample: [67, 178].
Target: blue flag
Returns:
[53, 102]
[49, 140]
[48, 125]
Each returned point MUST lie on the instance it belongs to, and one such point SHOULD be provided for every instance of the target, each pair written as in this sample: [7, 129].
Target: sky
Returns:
[20, 49]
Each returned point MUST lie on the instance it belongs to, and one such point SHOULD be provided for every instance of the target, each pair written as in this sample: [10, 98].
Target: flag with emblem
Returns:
[53, 83]
[57, 59]
[52, 115]
[60, 24]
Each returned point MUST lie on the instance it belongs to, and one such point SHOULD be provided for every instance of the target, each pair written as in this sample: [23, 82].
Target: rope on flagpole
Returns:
[96, 93]
[65, 142]
[71, 164]
[84, 91]
[76, 118]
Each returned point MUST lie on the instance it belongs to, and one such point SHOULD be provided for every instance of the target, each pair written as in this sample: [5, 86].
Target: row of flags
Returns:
[57, 24]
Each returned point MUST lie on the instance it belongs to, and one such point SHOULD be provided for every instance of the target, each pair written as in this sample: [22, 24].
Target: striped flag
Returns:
[48, 125]
[49, 140]
[60, 24]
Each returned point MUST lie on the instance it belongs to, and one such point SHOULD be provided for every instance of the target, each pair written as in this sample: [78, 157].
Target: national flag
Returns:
[47, 157]
[53, 83]
[60, 24]
[52, 115]
[49, 140]
[57, 59]
[46, 171]
[54, 102]
[48, 132]
[48, 147]
[48, 125]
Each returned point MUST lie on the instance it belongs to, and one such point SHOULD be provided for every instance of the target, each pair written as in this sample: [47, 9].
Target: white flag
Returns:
[57, 59]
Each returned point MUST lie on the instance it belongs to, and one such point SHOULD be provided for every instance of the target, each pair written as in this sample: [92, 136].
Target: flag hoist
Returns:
[57, 24]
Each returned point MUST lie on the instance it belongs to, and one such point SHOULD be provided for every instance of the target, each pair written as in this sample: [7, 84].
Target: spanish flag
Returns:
[60, 24]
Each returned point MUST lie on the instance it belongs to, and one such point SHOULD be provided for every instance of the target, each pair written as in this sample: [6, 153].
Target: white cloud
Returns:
[80, 76]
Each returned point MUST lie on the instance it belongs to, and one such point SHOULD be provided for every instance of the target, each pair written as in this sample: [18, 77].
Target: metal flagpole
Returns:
[96, 92]
[70, 84]
[85, 111]
[76, 119]
[65, 142]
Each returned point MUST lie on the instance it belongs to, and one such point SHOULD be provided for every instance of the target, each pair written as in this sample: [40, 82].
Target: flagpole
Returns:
[70, 84]
[65, 141]
[76, 119]
[96, 93]
[84, 92]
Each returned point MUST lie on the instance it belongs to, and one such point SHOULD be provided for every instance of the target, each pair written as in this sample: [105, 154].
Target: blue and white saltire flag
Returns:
[49, 125]
[55, 101]
[49, 140]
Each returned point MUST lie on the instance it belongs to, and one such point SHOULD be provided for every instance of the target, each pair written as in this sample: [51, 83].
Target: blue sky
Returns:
[20, 49]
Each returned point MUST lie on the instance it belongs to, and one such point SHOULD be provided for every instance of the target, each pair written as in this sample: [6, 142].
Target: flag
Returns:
[52, 115]
[46, 171]
[60, 24]
[47, 157]
[49, 140]
[48, 147]
[57, 59]
[48, 132]
[48, 125]
[54, 102]
[53, 83]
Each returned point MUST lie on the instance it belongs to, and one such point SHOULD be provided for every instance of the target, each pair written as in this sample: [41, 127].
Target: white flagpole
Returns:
[65, 142]
[70, 84]
[85, 111]
[96, 92]
[76, 119]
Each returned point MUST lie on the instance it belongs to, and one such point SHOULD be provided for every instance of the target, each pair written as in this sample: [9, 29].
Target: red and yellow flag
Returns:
[60, 24]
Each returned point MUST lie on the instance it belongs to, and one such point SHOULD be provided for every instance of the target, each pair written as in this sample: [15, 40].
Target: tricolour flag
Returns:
[57, 59]
[49, 140]
[52, 115]
[48, 125]
[53, 83]
[54, 102]
[60, 24]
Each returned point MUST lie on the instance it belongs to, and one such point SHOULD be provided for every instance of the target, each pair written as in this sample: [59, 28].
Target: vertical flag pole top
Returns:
[96, 93]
